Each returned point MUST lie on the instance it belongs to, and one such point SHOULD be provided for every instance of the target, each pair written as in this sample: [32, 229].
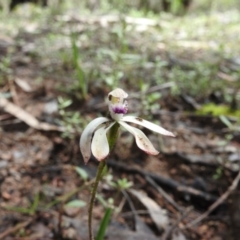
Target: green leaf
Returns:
[225, 121]
[30, 211]
[80, 73]
[76, 203]
[83, 174]
[35, 204]
[104, 224]
[18, 209]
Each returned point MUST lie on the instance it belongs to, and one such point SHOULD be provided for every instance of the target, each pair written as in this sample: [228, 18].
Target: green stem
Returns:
[90, 209]
[112, 137]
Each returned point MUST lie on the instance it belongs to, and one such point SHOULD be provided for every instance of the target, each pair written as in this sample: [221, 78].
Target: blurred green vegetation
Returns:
[87, 44]
[218, 110]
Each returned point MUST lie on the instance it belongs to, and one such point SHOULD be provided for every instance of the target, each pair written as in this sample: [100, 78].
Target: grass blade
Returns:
[104, 224]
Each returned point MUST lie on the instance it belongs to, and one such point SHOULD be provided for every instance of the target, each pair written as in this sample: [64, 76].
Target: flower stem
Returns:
[113, 135]
[94, 190]
[112, 138]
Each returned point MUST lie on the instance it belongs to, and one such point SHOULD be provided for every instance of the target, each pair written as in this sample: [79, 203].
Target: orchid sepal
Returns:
[141, 139]
[147, 124]
[86, 137]
[100, 146]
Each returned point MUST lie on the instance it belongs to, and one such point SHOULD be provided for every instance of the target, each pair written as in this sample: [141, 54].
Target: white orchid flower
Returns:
[94, 137]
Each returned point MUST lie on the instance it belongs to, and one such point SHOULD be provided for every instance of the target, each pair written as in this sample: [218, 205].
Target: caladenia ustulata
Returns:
[94, 137]
[100, 135]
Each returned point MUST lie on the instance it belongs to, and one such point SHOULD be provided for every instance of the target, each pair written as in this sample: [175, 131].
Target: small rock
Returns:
[6, 195]
[3, 164]
[70, 233]
[51, 107]
[71, 211]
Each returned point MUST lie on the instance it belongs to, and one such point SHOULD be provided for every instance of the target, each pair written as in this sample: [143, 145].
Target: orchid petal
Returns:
[100, 146]
[86, 137]
[141, 139]
[148, 125]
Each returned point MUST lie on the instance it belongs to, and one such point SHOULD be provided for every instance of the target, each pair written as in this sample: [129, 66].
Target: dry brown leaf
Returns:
[23, 85]
[26, 117]
[157, 214]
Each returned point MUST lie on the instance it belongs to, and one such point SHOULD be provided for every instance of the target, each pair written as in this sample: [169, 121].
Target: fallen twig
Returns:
[157, 88]
[217, 202]
[139, 224]
[109, 19]
[164, 194]
[15, 228]
[180, 188]
[13, 91]
[168, 231]
[26, 117]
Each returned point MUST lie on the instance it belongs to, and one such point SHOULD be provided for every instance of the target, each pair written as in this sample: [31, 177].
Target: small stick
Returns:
[125, 194]
[180, 188]
[15, 228]
[217, 203]
[168, 232]
[92, 198]
[13, 91]
[163, 193]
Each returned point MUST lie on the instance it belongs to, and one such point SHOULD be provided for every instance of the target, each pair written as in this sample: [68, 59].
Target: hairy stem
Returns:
[93, 195]
[112, 137]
